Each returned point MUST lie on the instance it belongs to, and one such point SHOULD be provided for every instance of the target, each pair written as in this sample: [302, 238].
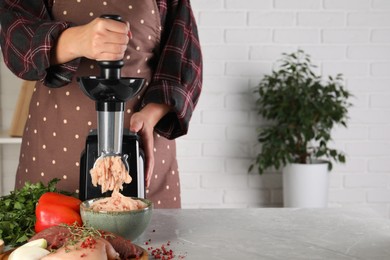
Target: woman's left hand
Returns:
[143, 123]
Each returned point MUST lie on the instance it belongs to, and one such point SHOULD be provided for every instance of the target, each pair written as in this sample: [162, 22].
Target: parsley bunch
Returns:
[17, 212]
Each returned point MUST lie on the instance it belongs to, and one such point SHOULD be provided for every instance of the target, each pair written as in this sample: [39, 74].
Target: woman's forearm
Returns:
[154, 112]
[65, 51]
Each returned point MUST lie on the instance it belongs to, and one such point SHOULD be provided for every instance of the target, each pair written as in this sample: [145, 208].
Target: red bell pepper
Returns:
[54, 209]
[60, 199]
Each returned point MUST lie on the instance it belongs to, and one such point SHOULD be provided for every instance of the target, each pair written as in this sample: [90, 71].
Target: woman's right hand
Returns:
[101, 39]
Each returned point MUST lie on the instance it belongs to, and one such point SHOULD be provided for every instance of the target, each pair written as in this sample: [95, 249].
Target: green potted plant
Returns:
[300, 109]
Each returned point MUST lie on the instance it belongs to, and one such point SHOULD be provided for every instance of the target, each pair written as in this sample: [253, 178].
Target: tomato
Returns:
[60, 199]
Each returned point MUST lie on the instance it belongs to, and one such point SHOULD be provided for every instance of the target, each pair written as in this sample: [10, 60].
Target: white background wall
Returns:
[9, 153]
[241, 40]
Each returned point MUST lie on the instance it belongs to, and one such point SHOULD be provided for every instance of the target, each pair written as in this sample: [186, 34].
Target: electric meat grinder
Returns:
[111, 91]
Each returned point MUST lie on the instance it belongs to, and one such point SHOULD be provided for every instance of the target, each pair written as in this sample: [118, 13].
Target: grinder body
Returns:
[110, 138]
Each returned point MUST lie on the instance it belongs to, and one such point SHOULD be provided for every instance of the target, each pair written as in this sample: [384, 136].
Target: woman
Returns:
[56, 42]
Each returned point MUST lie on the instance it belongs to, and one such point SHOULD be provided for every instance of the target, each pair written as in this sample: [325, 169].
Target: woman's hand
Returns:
[143, 123]
[101, 39]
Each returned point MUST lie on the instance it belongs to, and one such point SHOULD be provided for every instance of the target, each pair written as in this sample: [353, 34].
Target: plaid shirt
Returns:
[28, 33]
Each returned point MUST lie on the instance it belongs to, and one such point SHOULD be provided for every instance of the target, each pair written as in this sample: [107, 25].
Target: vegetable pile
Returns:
[17, 212]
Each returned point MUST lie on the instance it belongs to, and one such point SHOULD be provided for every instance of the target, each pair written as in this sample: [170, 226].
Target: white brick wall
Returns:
[241, 40]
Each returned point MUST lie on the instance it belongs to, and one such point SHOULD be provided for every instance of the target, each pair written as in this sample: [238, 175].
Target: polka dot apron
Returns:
[60, 119]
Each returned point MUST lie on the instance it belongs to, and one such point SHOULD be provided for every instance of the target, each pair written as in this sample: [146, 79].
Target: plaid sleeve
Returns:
[177, 81]
[27, 35]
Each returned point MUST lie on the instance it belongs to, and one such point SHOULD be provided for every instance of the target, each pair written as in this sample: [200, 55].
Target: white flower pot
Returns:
[306, 185]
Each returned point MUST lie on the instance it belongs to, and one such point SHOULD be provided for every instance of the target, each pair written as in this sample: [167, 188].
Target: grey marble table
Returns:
[269, 233]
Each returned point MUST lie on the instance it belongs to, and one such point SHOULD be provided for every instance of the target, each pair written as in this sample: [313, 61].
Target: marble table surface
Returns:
[268, 233]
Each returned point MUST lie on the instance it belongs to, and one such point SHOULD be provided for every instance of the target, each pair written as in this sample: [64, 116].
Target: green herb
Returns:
[17, 212]
[87, 235]
[79, 233]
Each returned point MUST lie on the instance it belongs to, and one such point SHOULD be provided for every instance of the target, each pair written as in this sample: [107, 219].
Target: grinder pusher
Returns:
[110, 92]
